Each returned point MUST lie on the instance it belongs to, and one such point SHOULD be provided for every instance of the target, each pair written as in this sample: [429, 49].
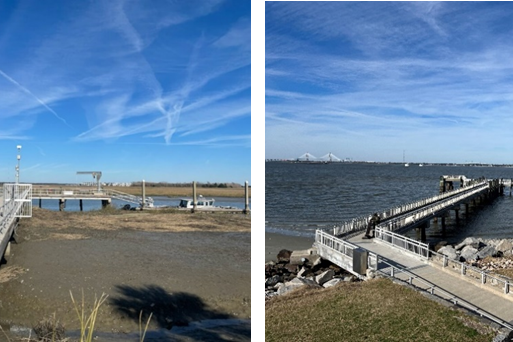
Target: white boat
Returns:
[421, 165]
[405, 164]
[200, 203]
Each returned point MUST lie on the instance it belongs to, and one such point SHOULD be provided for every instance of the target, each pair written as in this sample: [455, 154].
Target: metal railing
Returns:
[435, 290]
[471, 272]
[346, 248]
[360, 223]
[402, 242]
[431, 210]
[77, 192]
[17, 202]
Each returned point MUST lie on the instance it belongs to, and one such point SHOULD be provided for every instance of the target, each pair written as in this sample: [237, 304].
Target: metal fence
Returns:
[17, 202]
[402, 242]
[360, 223]
[473, 273]
[346, 248]
[414, 280]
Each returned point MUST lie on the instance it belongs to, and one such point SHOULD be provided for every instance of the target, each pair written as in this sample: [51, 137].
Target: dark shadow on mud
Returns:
[170, 310]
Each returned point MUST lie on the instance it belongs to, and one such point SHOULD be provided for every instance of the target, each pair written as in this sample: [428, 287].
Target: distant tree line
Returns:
[187, 185]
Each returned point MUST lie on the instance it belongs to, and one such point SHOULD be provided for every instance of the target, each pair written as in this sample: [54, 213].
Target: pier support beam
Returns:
[421, 233]
[467, 210]
[40, 203]
[443, 224]
[246, 196]
[457, 215]
[143, 194]
[62, 204]
[105, 203]
[81, 206]
[194, 201]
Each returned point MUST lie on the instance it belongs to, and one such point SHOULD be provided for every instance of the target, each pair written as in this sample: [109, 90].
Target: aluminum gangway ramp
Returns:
[446, 284]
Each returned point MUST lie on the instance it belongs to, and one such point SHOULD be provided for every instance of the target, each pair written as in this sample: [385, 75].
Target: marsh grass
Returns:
[87, 320]
[377, 310]
[59, 221]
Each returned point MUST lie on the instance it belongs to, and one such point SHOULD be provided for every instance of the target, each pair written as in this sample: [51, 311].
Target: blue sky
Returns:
[155, 90]
[369, 80]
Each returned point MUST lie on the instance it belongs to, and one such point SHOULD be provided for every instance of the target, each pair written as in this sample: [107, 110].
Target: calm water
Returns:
[300, 198]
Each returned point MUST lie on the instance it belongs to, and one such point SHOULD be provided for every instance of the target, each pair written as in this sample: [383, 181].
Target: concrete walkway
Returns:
[493, 302]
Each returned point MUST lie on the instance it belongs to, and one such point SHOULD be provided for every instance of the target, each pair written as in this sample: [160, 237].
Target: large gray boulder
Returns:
[324, 277]
[295, 284]
[488, 251]
[469, 253]
[332, 282]
[470, 241]
[505, 246]
[449, 252]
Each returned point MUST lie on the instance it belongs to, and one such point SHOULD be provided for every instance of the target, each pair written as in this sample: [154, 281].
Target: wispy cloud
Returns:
[374, 78]
[25, 90]
[133, 70]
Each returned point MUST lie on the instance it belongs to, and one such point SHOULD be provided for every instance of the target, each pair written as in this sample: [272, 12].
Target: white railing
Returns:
[394, 271]
[402, 242]
[17, 202]
[475, 273]
[346, 248]
[414, 216]
[77, 192]
[360, 223]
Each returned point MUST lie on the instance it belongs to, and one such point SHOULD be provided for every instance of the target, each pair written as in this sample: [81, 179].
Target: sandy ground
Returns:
[184, 268]
[274, 243]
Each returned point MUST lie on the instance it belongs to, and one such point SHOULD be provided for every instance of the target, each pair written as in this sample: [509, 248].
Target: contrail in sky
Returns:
[7, 77]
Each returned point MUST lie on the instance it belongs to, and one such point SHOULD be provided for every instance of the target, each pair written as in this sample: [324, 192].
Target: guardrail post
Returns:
[462, 269]
[445, 261]
[483, 278]
[506, 287]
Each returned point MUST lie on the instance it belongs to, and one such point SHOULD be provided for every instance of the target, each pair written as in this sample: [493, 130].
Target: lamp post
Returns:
[18, 166]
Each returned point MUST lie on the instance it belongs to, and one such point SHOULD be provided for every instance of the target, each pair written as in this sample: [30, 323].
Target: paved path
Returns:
[495, 303]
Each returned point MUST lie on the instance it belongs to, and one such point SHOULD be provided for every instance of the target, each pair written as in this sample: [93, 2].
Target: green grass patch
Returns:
[377, 310]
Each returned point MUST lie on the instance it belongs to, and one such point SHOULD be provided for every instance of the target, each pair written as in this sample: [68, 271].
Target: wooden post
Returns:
[194, 201]
[246, 192]
[143, 194]
[105, 203]
[457, 215]
[40, 203]
[62, 204]
[81, 206]
[443, 225]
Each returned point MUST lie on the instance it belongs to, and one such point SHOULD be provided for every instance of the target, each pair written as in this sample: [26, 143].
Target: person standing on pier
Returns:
[374, 220]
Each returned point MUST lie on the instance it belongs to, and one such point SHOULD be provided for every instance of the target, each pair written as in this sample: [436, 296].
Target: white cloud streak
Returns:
[26, 91]
[375, 78]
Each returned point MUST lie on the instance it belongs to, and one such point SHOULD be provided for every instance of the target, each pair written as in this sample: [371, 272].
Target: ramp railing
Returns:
[17, 203]
[402, 242]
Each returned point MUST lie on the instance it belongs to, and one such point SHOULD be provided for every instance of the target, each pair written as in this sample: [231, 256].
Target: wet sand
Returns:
[183, 268]
[274, 243]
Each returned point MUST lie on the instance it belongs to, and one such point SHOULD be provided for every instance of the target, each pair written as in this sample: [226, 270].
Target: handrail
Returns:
[430, 210]
[360, 223]
[432, 288]
[91, 192]
[402, 242]
[462, 267]
[343, 246]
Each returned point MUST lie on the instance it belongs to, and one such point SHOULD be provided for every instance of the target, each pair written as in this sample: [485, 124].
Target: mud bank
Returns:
[180, 275]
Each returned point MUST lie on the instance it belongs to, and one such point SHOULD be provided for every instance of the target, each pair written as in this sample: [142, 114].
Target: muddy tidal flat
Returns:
[184, 268]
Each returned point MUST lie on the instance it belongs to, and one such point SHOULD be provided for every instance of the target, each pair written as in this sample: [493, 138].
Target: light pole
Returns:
[18, 166]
